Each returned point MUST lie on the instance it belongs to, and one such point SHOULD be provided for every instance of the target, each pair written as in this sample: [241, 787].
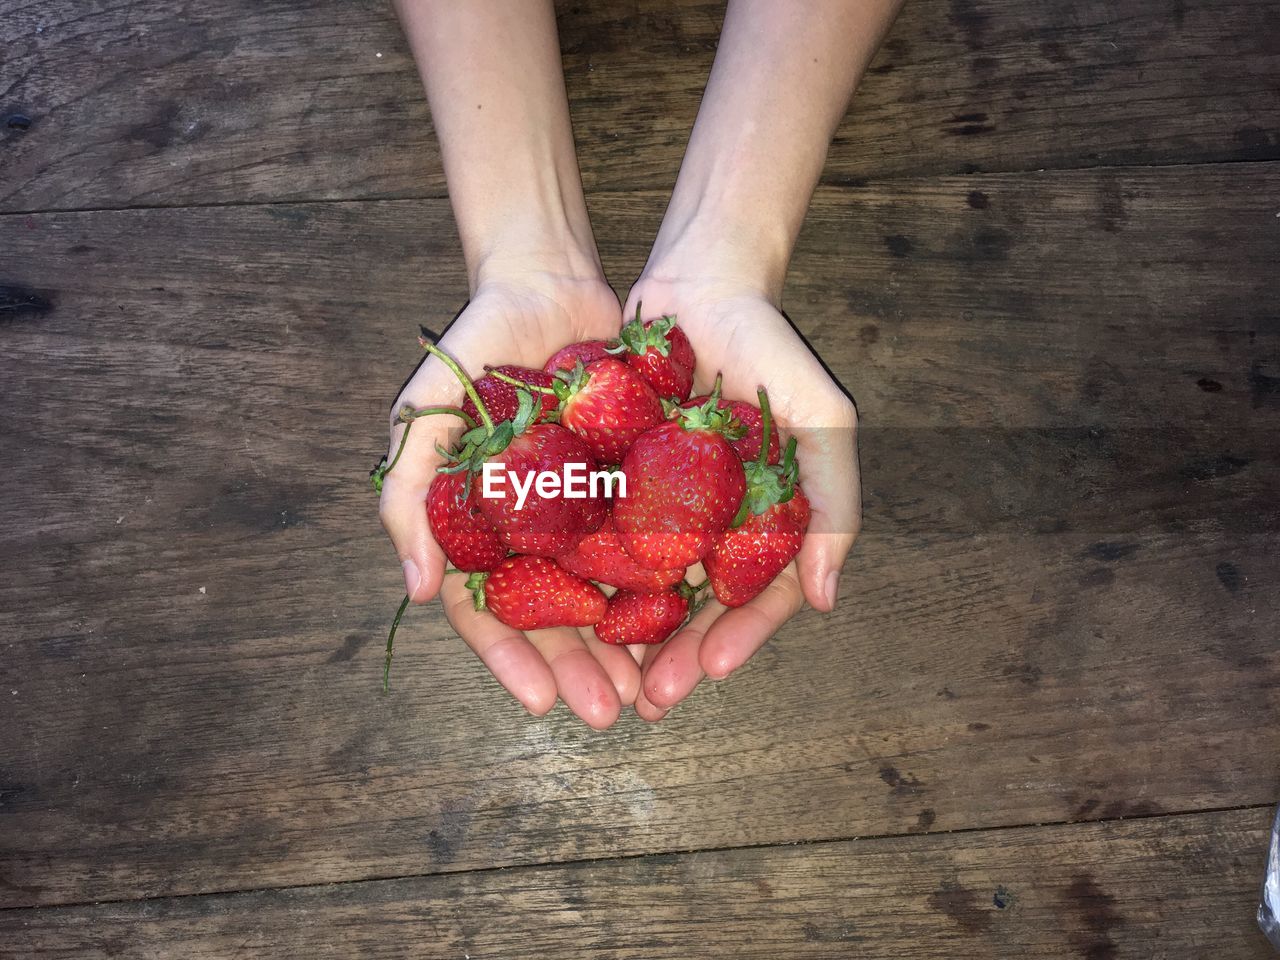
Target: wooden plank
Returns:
[126, 104]
[1064, 605]
[1183, 886]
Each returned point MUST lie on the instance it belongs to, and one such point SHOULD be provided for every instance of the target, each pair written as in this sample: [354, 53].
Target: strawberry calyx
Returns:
[480, 443]
[768, 484]
[709, 416]
[636, 338]
[475, 583]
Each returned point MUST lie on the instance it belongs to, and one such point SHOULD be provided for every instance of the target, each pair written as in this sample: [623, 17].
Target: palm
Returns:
[517, 325]
[742, 336]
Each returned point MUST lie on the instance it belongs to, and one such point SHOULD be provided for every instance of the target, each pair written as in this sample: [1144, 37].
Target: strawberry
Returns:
[748, 414]
[768, 531]
[543, 525]
[599, 556]
[684, 485]
[644, 617]
[608, 405]
[588, 351]
[500, 395]
[533, 593]
[660, 352]
[466, 537]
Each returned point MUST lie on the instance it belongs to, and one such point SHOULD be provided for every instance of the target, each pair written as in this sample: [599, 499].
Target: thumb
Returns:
[403, 511]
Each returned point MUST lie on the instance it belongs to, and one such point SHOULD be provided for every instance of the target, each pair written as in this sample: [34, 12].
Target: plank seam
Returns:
[622, 858]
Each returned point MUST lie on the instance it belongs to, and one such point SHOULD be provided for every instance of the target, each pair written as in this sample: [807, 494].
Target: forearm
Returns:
[782, 79]
[496, 89]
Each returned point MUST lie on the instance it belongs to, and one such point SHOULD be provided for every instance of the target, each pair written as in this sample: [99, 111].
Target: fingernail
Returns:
[833, 587]
[412, 578]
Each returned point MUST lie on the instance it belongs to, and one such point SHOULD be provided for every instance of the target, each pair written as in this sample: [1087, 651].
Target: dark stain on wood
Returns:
[1205, 469]
[971, 22]
[1111, 551]
[924, 820]
[351, 645]
[1098, 916]
[1254, 143]
[992, 243]
[1228, 575]
[18, 121]
[868, 334]
[977, 726]
[978, 200]
[1208, 385]
[17, 302]
[1055, 52]
[961, 905]
[898, 245]
[1262, 386]
[161, 129]
[900, 785]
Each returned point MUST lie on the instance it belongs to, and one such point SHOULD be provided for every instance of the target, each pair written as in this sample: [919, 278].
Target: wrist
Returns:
[537, 256]
[710, 243]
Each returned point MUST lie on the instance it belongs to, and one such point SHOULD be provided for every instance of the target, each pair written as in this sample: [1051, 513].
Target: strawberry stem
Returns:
[766, 425]
[716, 388]
[406, 416]
[499, 375]
[391, 638]
[467, 385]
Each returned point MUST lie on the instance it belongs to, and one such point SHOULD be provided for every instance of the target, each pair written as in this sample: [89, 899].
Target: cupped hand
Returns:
[518, 322]
[737, 331]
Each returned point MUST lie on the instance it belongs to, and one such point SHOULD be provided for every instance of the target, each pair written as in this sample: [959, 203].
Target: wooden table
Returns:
[1045, 258]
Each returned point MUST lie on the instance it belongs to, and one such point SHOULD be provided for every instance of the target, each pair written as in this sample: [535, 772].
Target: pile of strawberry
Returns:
[707, 481]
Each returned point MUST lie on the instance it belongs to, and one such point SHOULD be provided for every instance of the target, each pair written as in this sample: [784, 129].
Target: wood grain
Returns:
[126, 104]
[1064, 606]
[1165, 887]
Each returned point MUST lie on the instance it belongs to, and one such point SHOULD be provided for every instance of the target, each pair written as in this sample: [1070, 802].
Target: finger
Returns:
[829, 468]
[618, 663]
[734, 637]
[510, 657]
[674, 671]
[646, 710]
[403, 505]
[584, 686]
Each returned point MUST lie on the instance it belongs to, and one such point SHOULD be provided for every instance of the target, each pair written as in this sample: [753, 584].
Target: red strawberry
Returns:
[768, 531]
[465, 536]
[748, 414]
[644, 617]
[745, 559]
[599, 556]
[660, 352]
[532, 593]
[500, 397]
[545, 526]
[684, 485]
[608, 405]
[566, 358]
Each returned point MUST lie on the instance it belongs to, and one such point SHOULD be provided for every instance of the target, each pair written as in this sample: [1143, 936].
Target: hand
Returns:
[736, 330]
[521, 321]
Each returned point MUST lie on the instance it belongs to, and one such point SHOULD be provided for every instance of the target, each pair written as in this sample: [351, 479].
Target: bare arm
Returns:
[781, 83]
[496, 88]
[782, 80]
